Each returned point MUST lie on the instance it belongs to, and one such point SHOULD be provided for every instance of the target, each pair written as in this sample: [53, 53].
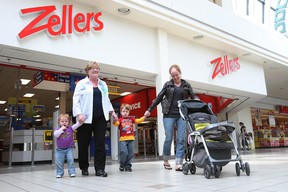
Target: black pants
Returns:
[84, 133]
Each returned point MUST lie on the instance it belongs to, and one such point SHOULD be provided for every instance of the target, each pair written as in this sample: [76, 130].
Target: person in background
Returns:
[244, 136]
[91, 99]
[174, 90]
[64, 145]
[127, 138]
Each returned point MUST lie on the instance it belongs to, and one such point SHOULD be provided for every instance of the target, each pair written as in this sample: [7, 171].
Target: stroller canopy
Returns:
[190, 106]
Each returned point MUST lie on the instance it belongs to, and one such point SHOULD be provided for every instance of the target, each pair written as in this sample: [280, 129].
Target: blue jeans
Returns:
[60, 156]
[126, 153]
[169, 124]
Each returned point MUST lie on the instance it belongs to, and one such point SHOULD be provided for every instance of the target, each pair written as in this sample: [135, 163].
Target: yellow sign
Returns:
[113, 90]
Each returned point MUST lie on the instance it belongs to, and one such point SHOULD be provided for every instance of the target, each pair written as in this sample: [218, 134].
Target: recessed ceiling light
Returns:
[197, 37]
[57, 106]
[29, 95]
[125, 93]
[25, 81]
[57, 98]
[124, 10]
[2, 102]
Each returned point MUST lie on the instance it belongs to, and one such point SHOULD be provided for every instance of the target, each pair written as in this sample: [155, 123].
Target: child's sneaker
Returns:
[58, 176]
[128, 169]
[121, 168]
[73, 175]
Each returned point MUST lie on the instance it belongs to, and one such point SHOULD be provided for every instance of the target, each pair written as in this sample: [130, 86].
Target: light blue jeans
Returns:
[126, 153]
[60, 156]
[169, 124]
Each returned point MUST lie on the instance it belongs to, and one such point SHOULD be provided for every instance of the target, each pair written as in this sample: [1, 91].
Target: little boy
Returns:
[65, 144]
[127, 138]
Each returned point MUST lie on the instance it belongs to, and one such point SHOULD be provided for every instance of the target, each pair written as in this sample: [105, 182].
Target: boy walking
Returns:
[127, 138]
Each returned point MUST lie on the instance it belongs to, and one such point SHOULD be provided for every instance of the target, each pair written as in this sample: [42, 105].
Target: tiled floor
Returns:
[269, 172]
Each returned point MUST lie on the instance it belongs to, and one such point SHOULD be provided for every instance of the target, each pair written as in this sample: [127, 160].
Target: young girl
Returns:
[65, 144]
[127, 138]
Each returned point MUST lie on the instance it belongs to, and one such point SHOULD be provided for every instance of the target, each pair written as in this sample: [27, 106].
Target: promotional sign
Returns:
[283, 109]
[51, 81]
[55, 25]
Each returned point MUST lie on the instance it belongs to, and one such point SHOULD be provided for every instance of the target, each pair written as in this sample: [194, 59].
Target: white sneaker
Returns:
[58, 176]
[73, 175]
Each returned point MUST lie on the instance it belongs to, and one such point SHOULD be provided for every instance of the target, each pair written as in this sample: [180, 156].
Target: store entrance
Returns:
[37, 111]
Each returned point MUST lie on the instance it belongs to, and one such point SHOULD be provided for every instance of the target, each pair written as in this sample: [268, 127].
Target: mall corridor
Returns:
[269, 173]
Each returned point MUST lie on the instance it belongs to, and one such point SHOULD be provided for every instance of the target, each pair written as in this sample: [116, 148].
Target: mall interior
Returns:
[240, 74]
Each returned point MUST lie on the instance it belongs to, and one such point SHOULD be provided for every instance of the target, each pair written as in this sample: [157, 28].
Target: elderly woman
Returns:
[92, 106]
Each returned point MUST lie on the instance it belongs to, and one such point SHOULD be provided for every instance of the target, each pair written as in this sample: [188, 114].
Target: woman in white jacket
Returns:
[92, 106]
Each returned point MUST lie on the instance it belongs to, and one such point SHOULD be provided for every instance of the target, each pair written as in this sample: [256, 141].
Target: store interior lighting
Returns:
[125, 93]
[2, 102]
[25, 81]
[29, 95]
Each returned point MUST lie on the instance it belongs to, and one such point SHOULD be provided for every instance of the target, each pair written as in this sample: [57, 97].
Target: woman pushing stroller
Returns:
[174, 90]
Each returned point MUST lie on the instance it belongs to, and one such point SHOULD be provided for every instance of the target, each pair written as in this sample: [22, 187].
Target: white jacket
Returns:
[83, 99]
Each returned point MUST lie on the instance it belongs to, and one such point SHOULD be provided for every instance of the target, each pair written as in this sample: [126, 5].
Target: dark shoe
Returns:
[167, 166]
[85, 172]
[128, 169]
[101, 173]
[121, 168]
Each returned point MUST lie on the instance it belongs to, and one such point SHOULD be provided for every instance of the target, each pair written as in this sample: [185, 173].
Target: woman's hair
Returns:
[63, 115]
[125, 106]
[92, 64]
[176, 67]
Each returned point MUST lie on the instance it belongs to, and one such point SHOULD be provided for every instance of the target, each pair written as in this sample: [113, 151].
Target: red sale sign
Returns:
[59, 25]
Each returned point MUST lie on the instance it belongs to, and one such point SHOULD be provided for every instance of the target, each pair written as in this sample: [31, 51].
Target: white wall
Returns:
[194, 60]
[113, 45]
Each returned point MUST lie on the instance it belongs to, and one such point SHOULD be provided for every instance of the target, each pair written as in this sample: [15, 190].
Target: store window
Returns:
[259, 11]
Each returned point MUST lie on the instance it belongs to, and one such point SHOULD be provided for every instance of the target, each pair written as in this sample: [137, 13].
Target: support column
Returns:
[62, 102]
[162, 77]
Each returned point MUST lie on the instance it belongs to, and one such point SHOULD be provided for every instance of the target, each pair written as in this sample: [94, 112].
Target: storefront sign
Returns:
[113, 90]
[283, 109]
[59, 25]
[224, 66]
[280, 20]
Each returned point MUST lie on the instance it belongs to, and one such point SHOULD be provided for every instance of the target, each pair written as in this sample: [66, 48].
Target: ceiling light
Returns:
[57, 106]
[38, 119]
[246, 54]
[37, 116]
[198, 37]
[5, 109]
[57, 98]
[124, 10]
[29, 95]
[2, 102]
[125, 93]
[25, 81]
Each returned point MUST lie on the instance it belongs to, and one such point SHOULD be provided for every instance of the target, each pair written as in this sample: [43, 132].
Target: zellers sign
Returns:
[56, 25]
[224, 66]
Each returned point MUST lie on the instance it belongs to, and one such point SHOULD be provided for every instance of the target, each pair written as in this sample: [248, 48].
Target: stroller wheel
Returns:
[247, 168]
[217, 171]
[185, 168]
[237, 167]
[207, 171]
[192, 168]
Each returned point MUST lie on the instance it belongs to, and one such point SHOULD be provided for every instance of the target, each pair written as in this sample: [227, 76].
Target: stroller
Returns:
[210, 142]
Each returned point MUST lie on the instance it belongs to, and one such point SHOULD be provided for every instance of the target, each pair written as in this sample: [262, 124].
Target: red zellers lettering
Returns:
[56, 25]
[224, 67]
